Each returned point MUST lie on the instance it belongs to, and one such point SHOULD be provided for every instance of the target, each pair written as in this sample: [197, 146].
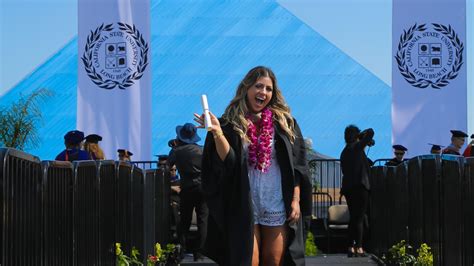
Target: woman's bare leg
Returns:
[256, 245]
[273, 239]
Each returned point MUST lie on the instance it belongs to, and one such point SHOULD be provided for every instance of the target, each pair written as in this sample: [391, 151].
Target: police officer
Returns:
[73, 140]
[399, 152]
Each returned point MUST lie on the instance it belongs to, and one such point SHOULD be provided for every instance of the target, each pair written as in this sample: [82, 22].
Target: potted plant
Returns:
[168, 256]
[402, 254]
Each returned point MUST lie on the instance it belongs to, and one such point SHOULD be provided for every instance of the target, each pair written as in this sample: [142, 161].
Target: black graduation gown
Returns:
[355, 165]
[227, 191]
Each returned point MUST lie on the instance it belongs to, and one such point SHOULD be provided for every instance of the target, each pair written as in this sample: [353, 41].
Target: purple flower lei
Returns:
[260, 148]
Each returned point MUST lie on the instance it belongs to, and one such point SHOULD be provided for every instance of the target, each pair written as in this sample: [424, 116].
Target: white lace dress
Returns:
[267, 197]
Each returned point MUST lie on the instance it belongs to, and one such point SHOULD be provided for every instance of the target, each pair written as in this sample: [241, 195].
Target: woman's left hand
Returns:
[295, 212]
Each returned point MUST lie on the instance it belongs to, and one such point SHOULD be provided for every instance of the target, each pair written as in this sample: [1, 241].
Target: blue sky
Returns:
[31, 32]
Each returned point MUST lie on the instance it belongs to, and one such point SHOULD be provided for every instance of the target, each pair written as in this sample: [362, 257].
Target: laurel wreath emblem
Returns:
[424, 83]
[128, 81]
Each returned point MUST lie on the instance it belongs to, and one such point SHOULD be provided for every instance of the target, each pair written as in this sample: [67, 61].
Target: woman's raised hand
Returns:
[216, 125]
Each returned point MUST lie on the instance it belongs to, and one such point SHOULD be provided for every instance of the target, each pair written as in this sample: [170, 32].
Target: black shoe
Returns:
[198, 256]
[181, 255]
[350, 253]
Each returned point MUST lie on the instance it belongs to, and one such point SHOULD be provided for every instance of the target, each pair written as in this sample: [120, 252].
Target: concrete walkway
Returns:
[330, 259]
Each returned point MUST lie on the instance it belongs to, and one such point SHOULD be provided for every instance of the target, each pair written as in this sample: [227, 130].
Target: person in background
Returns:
[91, 145]
[174, 177]
[163, 163]
[73, 152]
[399, 152]
[124, 155]
[175, 190]
[172, 143]
[186, 156]
[469, 151]
[162, 160]
[435, 149]
[457, 141]
[355, 168]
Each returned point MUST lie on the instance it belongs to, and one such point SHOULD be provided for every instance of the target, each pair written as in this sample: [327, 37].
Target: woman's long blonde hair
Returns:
[95, 149]
[238, 107]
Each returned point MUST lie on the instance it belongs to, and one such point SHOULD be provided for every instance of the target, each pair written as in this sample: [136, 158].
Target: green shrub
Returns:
[310, 248]
[402, 254]
[167, 256]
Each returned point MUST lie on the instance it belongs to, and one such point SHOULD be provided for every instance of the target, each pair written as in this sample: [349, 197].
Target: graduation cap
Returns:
[458, 134]
[74, 137]
[435, 147]
[93, 138]
[399, 148]
[162, 157]
[123, 151]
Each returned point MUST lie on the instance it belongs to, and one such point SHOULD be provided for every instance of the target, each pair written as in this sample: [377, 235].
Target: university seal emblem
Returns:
[429, 56]
[115, 55]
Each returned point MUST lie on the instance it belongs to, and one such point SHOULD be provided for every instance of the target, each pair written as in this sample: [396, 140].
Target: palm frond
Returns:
[19, 122]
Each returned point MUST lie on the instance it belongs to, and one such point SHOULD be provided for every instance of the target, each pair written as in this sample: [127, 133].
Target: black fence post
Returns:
[451, 210]
[396, 225]
[378, 211]
[401, 199]
[21, 225]
[58, 189]
[149, 206]
[431, 183]
[138, 233]
[124, 206]
[108, 215]
[468, 241]
[415, 202]
[162, 211]
[86, 213]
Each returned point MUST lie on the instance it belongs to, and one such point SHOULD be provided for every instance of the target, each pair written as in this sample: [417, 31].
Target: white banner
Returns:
[114, 77]
[428, 72]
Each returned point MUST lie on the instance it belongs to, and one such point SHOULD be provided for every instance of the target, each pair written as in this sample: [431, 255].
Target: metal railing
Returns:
[72, 214]
[58, 193]
[21, 208]
[145, 165]
[58, 213]
[428, 199]
[326, 176]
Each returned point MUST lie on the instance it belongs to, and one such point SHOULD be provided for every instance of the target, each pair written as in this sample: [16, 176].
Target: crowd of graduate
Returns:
[80, 148]
[458, 139]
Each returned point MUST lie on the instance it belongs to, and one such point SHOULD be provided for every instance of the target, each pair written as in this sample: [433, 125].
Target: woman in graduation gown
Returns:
[256, 178]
